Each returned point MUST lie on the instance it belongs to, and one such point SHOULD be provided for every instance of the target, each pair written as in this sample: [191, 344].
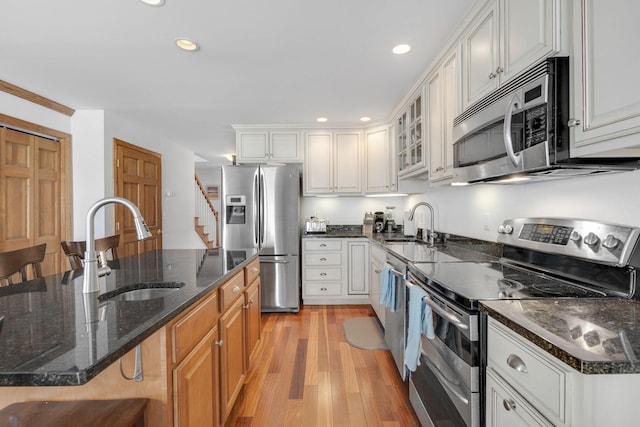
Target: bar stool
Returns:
[75, 250]
[16, 262]
[84, 413]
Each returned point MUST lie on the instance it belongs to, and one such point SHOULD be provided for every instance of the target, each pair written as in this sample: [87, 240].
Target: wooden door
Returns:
[138, 176]
[31, 201]
[252, 321]
[232, 334]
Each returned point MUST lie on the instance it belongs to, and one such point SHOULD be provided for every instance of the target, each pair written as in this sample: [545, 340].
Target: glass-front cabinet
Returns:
[410, 140]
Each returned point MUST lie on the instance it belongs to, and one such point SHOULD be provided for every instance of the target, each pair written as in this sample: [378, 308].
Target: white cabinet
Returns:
[268, 146]
[358, 271]
[333, 162]
[605, 75]
[507, 37]
[443, 105]
[410, 149]
[380, 176]
[334, 271]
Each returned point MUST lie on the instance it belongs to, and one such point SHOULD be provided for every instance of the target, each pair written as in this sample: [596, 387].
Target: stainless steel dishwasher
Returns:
[395, 320]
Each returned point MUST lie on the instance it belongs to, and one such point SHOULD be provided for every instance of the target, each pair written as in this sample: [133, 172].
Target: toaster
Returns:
[315, 225]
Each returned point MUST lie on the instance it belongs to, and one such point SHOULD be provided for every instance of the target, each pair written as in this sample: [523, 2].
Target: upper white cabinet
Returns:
[380, 176]
[506, 38]
[443, 105]
[411, 151]
[333, 162]
[267, 146]
[605, 73]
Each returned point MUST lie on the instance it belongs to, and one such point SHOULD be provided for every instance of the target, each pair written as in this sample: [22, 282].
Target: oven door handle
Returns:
[453, 388]
[448, 316]
[397, 273]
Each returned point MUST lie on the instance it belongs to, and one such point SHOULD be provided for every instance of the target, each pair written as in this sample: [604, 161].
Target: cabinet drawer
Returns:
[322, 244]
[324, 274]
[252, 271]
[323, 259]
[322, 289]
[527, 370]
[231, 290]
[190, 329]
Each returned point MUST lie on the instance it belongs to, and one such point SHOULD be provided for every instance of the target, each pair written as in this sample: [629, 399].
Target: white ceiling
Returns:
[260, 62]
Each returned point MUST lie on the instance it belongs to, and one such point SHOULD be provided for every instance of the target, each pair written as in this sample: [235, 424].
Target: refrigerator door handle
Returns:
[256, 226]
[262, 208]
[273, 261]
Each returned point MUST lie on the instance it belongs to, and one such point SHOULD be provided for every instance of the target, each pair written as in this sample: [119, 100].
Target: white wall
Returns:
[467, 210]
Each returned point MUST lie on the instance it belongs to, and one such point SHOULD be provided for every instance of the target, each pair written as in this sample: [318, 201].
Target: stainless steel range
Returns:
[541, 258]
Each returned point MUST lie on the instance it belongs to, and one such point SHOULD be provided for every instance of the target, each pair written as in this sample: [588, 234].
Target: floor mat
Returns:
[364, 333]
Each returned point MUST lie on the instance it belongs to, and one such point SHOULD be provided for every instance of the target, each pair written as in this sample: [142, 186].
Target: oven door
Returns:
[445, 388]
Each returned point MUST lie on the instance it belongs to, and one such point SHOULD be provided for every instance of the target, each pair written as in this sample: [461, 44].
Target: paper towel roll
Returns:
[409, 227]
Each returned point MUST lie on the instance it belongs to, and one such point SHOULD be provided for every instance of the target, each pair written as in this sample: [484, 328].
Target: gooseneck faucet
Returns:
[431, 233]
[90, 279]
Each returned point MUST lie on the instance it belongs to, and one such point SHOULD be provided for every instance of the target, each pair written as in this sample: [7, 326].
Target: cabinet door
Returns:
[195, 384]
[358, 267]
[232, 333]
[347, 172]
[451, 106]
[480, 57]
[285, 147]
[318, 165]
[505, 408]
[253, 323]
[434, 125]
[529, 34]
[378, 158]
[375, 270]
[252, 146]
[605, 75]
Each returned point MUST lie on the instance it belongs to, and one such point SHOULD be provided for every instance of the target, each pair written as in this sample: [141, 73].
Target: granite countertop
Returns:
[46, 340]
[593, 336]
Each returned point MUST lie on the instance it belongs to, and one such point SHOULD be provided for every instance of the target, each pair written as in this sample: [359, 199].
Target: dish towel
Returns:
[420, 322]
[388, 287]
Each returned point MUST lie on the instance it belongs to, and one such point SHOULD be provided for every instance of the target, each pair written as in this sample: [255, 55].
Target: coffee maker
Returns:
[379, 222]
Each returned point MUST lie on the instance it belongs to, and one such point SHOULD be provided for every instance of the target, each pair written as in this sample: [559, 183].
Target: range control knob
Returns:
[592, 239]
[505, 229]
[611, 242]
[575, 236]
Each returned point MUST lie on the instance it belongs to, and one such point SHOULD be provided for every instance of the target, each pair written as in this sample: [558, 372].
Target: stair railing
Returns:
[206, 217]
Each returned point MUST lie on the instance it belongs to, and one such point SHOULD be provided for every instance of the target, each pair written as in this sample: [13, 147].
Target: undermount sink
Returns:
[141, 291]
[404, 240]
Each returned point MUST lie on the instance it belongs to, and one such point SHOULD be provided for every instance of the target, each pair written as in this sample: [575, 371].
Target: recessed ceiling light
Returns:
[153, 2]
[186, 44]
[365, 119]
[401, 49]
[322, 119]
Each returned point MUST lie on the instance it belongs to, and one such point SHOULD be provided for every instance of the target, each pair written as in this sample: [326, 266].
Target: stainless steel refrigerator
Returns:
[260, 209]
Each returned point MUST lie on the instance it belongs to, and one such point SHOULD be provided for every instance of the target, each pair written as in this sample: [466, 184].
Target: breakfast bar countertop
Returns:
[46, 338]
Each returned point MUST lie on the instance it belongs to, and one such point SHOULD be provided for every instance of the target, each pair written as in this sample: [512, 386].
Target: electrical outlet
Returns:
[486, 221]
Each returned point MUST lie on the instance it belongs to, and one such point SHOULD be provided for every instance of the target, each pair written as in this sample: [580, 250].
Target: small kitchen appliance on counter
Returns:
[380, 222]
[315, 225]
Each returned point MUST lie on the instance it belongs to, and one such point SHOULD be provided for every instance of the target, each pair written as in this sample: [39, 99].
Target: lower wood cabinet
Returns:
[195, 381]
[232, 365]
[253, 321]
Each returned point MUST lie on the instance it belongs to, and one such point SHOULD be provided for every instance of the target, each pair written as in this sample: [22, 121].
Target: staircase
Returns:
[206, 220]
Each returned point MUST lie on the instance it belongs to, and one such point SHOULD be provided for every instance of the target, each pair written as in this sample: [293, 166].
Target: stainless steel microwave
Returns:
[521, 130]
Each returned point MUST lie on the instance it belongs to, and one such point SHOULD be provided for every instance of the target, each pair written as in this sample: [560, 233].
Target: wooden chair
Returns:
[75, 250]
[16, 262]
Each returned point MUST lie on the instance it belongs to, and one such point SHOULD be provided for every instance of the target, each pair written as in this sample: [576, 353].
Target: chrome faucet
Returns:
[431, 234]
[91, 270]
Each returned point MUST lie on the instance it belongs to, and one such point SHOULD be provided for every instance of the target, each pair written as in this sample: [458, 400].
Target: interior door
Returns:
[31, 205]
[138, 176]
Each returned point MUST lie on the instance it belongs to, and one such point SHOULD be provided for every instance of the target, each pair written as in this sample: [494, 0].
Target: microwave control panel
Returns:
[535, 125]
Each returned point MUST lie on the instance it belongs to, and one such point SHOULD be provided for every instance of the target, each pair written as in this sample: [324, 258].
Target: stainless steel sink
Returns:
[141, 291]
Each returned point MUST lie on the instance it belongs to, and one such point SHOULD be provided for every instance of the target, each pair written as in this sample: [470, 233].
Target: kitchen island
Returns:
[57, 343]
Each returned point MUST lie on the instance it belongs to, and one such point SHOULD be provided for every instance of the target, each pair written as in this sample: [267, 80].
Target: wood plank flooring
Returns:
[306, 374]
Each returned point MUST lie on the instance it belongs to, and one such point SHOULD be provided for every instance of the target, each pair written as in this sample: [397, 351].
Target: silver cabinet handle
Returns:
[323, 245]
[516, 363]
[448, 316]
[573, 123]
[323, 259]
[218, 343]
[509, 404]
[499, 70]
[323, 274]
[492, 76]
[235, 289]
[323, 289]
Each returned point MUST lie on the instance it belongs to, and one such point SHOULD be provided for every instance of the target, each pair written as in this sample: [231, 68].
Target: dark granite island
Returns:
[51, 334]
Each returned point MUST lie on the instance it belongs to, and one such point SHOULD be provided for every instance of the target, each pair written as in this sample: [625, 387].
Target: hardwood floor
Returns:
[306, 374]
